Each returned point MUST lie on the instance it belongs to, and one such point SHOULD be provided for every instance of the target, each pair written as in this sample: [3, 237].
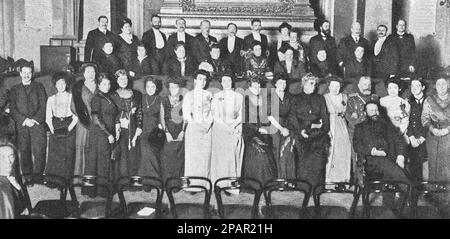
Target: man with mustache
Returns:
[96, 39]
[355, 114]
[348, 45]
[179, 36]
[381, 146]
[231, 49]
[385, 60]
[155, 41]
[324, 41]
[201, 45]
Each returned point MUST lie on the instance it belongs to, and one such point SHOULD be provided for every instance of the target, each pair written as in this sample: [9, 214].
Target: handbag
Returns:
[156, 138]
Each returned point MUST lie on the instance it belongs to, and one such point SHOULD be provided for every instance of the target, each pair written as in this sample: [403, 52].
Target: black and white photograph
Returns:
[225, 109]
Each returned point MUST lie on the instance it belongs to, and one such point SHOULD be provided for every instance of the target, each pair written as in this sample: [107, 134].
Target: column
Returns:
[136, 14]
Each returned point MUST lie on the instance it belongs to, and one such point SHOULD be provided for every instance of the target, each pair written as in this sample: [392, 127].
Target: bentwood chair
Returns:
[283, 210]
[432, 191]
[146, 187]
[52, 203]
[185, 195]
[392, 209]
[238, 189]
[90, 207]
[336, 189]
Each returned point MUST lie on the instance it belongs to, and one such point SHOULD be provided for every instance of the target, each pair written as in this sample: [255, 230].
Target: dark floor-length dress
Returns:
[172, 154]
[149, 162]
[258, 162]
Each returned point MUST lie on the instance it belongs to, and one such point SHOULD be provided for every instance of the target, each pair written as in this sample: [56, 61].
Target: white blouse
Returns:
[59, 106]
[197, 107]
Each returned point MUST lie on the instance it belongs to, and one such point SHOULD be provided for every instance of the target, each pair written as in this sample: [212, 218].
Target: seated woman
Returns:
[143, 65]
[11, 197]
[293, 68]
[257, 65]
[359, 66]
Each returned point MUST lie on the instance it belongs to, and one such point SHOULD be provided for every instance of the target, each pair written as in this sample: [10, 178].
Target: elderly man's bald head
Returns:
[356, 29]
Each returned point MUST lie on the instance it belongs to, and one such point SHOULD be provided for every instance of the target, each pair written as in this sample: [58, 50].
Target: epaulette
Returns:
[353, 95]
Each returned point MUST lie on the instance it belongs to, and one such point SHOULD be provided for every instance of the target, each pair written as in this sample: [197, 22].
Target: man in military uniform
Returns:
[355, 114]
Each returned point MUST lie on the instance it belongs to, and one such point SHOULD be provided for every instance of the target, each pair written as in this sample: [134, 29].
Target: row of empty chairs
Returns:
[190, 198]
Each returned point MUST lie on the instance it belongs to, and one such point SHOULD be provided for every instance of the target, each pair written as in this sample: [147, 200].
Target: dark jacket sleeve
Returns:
[341, 51]
[96, 106]
[3, 98]
[16, 115]
[358, 142]
[196, 51]
[42, 98]
[89, 47]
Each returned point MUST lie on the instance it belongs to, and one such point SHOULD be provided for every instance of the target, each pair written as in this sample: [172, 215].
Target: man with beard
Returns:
[201, 45]
[179, 36]
[385, 60]
[231, 49]
[155, 41]
[380, 144]
[417, 151]
[28, 105]
[355, 114]
[324, 41]
[95, 40]
[348, 45]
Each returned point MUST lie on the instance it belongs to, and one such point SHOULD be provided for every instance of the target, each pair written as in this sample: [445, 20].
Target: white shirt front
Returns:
[379, 45]
[158, 39]
[231, 41]
[181, 36]
[256, 36]
[289, 66]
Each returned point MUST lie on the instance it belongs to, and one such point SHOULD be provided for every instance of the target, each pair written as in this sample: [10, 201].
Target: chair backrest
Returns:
[392, 187]
[47, 180]
[197, 184]
[89, 181]
[288, 185]
[237, 183]
[337, 188]
[433, 187]
[139, 184]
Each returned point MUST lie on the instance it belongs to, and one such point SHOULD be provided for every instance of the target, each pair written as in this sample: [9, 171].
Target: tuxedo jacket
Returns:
[172, 41]
[172, 67]
[201, 48]
[32, 105]
[94, 44]
[407, 51]
[150, 43]
[234, 58]
[248, 40]
[386, 62]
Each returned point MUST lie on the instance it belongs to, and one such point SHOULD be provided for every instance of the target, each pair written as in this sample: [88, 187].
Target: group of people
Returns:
[306, 112]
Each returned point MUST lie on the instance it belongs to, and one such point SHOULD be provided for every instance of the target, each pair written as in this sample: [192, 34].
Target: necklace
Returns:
[146, 100]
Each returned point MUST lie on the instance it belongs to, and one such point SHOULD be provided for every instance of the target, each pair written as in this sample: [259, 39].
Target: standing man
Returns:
[96, 39]
[28, 104]
[179, 36]
[155, 41]
[256, 36]
[348, 45]
[201, 46]
[355, 114]
[324, 41]
[231, 48]
[407, 54]
[385, 60]
[417, 150]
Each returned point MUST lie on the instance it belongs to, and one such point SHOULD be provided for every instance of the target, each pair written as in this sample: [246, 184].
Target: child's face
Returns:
[108, 48]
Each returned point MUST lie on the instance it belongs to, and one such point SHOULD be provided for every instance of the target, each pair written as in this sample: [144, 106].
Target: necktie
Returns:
[207, 39]
[357, 39]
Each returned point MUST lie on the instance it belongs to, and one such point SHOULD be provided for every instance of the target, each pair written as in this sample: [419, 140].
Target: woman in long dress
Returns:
[283, 140]
[59, 116]
[128, 43]
[83, 92]
[151, 110]
[227, 144]
[101, 139]
[436, 117]
[339, 160]
[197, 113]
[259, 162]
[129, 121]
[172, 154]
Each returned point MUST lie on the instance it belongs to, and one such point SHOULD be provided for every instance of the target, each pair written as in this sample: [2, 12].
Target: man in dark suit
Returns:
[95, 40]
[28, 105]
[180, 65]
[155, 41]
[179, 35]
[201, 46]
[256, 35]
[231, 48]
[407, 50]
[324, 42]
[348, 45]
